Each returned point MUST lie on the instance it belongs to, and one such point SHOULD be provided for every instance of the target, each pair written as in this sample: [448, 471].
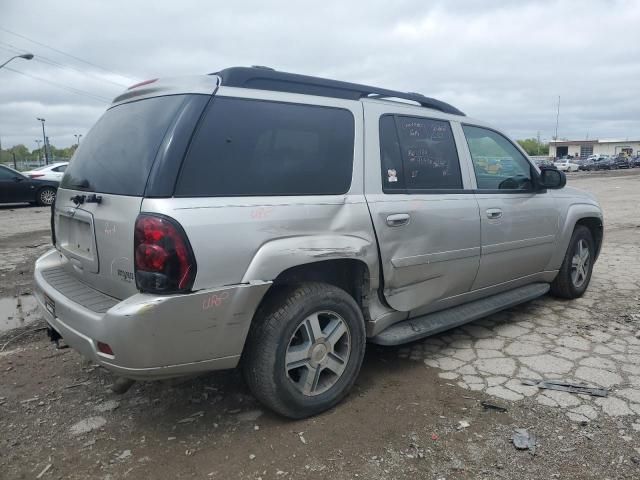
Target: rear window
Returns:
[254, 147]
[117, 154]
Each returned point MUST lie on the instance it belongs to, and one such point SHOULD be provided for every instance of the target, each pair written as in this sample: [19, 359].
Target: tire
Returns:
[570, 283]
[46, 196]
[281, 330]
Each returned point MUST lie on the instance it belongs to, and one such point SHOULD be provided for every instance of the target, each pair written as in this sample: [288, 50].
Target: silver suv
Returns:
[280, 222]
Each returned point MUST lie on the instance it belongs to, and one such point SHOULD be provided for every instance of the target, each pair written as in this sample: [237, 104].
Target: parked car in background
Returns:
[566, 165]
[604, 163]
[585, 165]
[621, 162]
[635, 161]
[53, 172]
[18, 188]
[544, 163]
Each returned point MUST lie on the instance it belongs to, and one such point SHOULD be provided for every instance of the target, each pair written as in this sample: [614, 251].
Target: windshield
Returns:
[117, 154]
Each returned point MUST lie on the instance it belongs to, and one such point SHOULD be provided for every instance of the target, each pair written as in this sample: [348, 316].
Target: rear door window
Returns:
[117, 154]
[255, 147]
[418, 154]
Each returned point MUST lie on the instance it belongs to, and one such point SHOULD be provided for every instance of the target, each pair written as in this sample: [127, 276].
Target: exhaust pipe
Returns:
[122, 385]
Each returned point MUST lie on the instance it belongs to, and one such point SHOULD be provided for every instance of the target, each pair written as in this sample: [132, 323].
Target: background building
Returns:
[584, 148]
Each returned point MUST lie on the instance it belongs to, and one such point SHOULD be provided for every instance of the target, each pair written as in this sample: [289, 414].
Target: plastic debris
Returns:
[567, 387]
[462, 424]
[491, 406]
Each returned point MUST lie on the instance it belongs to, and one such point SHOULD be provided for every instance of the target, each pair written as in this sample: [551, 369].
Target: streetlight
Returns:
[77, 135]
[44, 140]
[26, 56]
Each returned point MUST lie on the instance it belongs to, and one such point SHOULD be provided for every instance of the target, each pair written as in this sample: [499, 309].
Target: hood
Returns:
[577, 193]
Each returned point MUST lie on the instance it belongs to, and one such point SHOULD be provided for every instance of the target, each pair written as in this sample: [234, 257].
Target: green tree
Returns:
[533, 147]
[21, 152]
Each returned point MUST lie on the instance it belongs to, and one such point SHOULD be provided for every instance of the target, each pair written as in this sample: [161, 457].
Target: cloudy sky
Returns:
[502, 61]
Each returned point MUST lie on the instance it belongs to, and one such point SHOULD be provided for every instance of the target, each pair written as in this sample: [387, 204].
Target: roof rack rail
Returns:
[265, 78]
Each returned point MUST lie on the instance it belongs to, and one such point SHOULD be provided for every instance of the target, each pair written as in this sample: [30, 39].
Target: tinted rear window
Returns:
[255, 147]
[117, 154]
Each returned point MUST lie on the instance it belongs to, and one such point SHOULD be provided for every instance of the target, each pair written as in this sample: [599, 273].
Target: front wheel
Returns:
[46, 196]
[304, 350]
[575, 273]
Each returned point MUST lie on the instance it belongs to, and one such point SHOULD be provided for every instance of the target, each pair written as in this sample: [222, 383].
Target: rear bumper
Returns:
[152, 336]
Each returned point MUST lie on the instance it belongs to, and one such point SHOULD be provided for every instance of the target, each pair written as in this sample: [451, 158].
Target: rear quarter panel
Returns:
[238, 240]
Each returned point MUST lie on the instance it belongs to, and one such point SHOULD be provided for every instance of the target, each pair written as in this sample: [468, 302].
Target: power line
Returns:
[70, 89]
[48, 61]
[64, 53]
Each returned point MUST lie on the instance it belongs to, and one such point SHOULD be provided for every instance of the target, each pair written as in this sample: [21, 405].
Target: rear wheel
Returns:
[575, 273]
[305, 349]
[46, 196]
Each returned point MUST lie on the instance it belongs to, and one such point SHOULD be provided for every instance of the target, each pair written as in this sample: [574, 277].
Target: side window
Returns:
[497, 163]
[6, 174]
[61, 168]
[418, 154]
[254, 147]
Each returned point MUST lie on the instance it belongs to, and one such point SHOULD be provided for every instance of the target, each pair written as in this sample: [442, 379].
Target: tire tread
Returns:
[265, 334]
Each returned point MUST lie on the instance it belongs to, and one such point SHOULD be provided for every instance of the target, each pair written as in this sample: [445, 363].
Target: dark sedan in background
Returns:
[17, 188]
[621, 162]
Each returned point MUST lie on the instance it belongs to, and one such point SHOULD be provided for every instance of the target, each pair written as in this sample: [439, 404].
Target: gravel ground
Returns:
[416, 411]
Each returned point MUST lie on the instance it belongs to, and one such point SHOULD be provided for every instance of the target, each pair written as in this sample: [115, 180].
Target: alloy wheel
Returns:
[47, 196]
[580, 263]
[318, 353]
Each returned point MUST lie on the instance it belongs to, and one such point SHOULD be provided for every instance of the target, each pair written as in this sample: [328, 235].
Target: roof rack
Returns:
[265, 78]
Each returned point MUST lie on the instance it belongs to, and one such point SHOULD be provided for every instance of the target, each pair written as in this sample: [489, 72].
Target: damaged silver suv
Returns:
[280, 222]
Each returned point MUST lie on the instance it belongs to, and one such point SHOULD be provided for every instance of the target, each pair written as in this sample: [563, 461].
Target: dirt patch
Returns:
[401, 421]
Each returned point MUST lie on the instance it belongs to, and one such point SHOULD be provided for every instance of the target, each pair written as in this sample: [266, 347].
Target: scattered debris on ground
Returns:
[567, 387]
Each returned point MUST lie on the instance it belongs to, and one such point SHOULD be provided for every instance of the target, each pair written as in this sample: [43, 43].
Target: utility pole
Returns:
[557, 119]
[538, 139]
[39, 151]
[44, 140]
[15, 165]
[47, 148]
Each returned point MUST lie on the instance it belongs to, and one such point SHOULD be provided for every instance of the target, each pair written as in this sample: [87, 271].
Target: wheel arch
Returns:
[586, 214]
[594, 224]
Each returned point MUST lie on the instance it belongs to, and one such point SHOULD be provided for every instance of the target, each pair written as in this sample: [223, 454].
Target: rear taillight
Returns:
[36, 175]
[164, 261]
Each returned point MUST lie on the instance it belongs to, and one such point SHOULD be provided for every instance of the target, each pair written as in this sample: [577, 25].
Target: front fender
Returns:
[278, 255]
[575, 213]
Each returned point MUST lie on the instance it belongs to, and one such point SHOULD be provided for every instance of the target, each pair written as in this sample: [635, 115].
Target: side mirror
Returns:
[552, 178]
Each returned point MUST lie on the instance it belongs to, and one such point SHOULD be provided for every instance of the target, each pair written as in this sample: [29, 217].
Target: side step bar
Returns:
[426, 325]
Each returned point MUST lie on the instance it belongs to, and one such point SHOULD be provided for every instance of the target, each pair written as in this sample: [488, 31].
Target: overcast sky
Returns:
[502, 61]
